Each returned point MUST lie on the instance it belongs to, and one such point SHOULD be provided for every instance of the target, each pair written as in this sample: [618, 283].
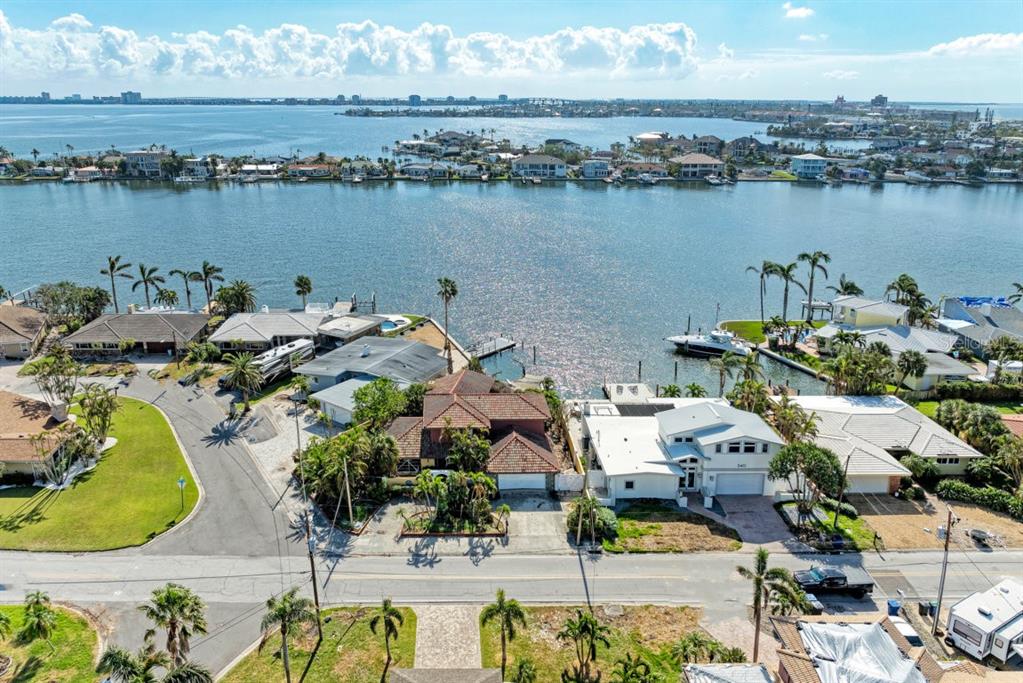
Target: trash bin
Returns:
[923, 609]
[932, 608]
[893, 608]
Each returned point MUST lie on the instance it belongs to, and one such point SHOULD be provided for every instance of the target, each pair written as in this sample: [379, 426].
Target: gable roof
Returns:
[465, 381]
[441, 411]
[263, 326]
[695, 159]
[712, 421]
[142, 327]
[899, 338]
[521, 453]
[401, 360]
[20, 324]
[21, 418]
[538, 159]
[858, 303]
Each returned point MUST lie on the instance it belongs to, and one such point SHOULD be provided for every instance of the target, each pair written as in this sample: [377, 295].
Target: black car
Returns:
[822, 580]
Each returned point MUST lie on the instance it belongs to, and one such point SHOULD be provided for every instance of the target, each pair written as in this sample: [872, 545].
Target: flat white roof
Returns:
[629, 445]
[994, 608]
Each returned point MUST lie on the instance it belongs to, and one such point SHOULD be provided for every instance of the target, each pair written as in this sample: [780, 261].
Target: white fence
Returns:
[568, 482]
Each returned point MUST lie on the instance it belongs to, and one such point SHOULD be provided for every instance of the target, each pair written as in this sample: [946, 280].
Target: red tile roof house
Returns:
[521, 456]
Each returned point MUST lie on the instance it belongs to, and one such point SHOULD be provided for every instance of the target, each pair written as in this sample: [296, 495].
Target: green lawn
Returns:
[753, 331]
[928, 408]
[784, 175]
[856, 531]
[645, 630]
[350, 652]
[130, 497]
[74, 641]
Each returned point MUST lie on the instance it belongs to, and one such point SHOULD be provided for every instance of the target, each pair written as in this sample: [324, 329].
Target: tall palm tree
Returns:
[765, 581]
[181, 612]
[147, 277]
[209, 274]
[725, 364]
[186, 277]
[629, 669]
[1017, 295]
[506, 613]
[846, 287]
[387, 620]
[813, 259]
[766, 270]
[671, 391]
[166, 297]
[447, 292]
[281, 615]
[587, 634]
[140, 667]
[694, 390]
[787, 274]
[115, 269]
[750, 368]
[242, 374]
[911, 364]
[35, 155]
[303, 287]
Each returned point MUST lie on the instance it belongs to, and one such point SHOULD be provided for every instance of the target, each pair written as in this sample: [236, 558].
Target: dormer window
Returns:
[749, 447]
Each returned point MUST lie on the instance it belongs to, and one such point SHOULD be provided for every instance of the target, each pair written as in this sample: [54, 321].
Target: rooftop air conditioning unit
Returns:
[365, 350]
[264, 309]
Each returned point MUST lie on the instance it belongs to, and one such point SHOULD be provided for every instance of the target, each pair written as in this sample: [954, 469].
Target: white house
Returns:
[859, 312]
[670, 448]
[989, 623]
[470, 170]
[435, 170]
[309, 171]
[808, 166]
[595, 168]
[698, 165]
[538, 166]
[338, 401]
[203, 167]
[260, 170]
[144, 163]
[566, 145]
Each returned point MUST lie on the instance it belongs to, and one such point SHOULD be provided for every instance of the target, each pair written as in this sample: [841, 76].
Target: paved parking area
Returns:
[447, 636]
[759, 524]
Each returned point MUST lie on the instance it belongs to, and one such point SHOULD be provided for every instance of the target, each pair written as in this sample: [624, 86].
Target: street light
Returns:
[181, 489]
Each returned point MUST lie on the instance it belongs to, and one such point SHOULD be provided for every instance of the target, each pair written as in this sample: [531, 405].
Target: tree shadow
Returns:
[479, 549]
[32, 511]
[223, 433]
[28, 670]
[423, 554]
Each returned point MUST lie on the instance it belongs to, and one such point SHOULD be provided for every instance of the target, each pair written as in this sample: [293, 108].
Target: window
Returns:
[689, 439]
[948, 461]
[629, 485]
[717, 448]
[763, 448]
[749, 447]
[734, 446]
[971, 634]
[679, 439]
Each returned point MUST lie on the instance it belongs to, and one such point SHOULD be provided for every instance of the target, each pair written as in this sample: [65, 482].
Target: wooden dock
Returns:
[492, 347]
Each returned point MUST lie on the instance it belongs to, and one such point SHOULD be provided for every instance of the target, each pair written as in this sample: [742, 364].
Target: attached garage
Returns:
[512, 482]
[740, 484]
[871, 483]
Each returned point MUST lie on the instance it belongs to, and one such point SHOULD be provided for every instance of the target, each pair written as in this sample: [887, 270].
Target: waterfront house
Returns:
[144, 163]
[989, 623]
[203, 167]
[499, 157]
[421, 148]
[28, 430]
[309, 171]
[261, 171]
[979, 320]
[872, 432]
[538, 166]
[673, 448]
[521, 454]
[744, 146]
[87, 173]
[264, 329]
[347, 328]
[1001, 173]
[708, 144]
[46, 171]
[6, 165]
[453, 139]
[652, 138]
[434, 170]
[21, 330]
[808, 166]
[898, 338]
[856, 173]
[403, 361]
[595, 168]
[566, 146]
[152, 331]
[638, 168]
[470, 170]
[695, 165]
[857, 311]
[362, 167]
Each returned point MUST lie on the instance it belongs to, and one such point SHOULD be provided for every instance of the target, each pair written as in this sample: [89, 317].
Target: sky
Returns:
[910, 50]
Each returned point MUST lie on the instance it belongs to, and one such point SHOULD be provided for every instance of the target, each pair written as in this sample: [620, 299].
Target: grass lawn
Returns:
[175, 371]
[753, 331]
[653, 528]
[812, 362]
[350, 652]
[130, 497]
[74, 641]
[856, 531]
[928, 408]
[784, 175]
[645, 630]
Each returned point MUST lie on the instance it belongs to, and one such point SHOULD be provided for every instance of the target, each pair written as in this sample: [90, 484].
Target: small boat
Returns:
[608, 180]
[249, 179]
[713, 180]
[821, 178]
[188, 179]
[646, 179]
[713, 343]
[303, 179]
[484, 178]
[357, 179]
[537, 181]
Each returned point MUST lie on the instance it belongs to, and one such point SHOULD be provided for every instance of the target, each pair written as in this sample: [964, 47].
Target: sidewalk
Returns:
[447, 636]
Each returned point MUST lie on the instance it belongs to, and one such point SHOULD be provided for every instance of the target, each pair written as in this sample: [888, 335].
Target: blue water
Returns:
[594, 276]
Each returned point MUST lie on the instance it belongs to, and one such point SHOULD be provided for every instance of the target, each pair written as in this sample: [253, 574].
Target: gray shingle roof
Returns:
[398, 359]
[874, 306]
[142, 327]
[264, 326]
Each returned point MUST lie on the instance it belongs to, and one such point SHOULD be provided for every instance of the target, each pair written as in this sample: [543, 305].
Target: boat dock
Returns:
[492, 347]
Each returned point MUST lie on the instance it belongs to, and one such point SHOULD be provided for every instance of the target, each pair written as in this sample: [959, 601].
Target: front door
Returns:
[687, 482]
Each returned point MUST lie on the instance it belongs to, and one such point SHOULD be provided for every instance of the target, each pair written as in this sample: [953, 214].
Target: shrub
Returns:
[977, 391]
[905, 482]
[924, 471]
[606, 526]
[989, 497]
[844, 508]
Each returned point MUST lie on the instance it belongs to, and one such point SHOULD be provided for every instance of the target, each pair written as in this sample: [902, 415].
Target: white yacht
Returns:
[713, 343]
[647, 179]
[713, 180]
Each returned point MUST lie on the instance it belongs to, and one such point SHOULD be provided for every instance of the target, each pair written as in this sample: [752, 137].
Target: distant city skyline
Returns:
[911, 51]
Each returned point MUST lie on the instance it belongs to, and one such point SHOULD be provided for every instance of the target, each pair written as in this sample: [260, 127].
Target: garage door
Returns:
[741, 484]
[509, 482]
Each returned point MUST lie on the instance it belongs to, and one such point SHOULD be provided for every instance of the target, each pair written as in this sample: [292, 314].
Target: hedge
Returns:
[606, 526]
[979, 391]
[989, 497]
[845, 508]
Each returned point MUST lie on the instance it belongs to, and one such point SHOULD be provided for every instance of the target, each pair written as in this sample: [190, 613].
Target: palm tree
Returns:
[750, 368]
[281, 615]
[671, 391]
[765, 581]
[525, 672]
[180, 611]
[147, 277]
[40, 620]
[447, 292]
[725, 364]
[587, 634]
[766, 270]
[813, 259]
[209, 274]
[115, 269]
[242, 374]
[237, 297]
[846, 287]
[166, 297]
[694, 390]
[693, 647]
[186, 277]
[388, 620]
[911, 364]
[631, 669]
[506, 613]
[35, 155]
[1016, 296]
[787, 274]
[139, 667]
[730, 655]
[303, 287]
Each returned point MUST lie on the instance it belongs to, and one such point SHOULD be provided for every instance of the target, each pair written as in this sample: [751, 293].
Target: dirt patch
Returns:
[908, 524]
[656, 529]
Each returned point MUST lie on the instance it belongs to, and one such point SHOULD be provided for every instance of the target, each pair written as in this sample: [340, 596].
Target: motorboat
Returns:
[484, 178]
[189, 179]
[713, 180]
[713, 343]
[647, 179]
[357, 179]
[608, 180]
[537, 181]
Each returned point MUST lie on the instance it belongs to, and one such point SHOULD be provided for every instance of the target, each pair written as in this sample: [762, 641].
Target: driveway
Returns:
[758, 523]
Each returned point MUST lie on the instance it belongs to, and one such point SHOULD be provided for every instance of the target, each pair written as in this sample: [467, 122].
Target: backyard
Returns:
[350, 652]
[128, 498]
[928, 408]
[753, 330]
[70, 661]
[655, 528]
[645, 630]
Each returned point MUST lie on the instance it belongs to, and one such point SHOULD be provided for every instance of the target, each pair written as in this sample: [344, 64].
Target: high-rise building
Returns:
[356, 99]
[879, 101]
[414, 100]
[502, 98]
[131, 97]
[45, 96]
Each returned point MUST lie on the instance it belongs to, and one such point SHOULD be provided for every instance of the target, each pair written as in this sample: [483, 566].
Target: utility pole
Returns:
[952, 519]
[841, 491]
[310, 543]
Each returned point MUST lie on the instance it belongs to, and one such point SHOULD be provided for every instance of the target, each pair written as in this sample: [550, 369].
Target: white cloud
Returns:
[71, 46]
[813, 37]
[725, 52]
[841, 75]
[792, 12]
[981, 45]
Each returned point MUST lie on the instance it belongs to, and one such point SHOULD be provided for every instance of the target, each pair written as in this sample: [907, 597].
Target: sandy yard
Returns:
[905, 524]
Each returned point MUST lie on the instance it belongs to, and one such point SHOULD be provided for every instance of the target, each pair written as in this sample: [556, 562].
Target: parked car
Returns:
[823, 580]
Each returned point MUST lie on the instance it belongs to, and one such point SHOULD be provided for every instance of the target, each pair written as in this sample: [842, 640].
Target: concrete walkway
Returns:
[447, 636]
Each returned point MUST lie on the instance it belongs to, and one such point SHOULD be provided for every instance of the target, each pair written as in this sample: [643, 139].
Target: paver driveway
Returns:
[758, 523]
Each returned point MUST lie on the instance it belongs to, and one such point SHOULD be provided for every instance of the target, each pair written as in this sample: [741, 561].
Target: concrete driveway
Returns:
[758, 523]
